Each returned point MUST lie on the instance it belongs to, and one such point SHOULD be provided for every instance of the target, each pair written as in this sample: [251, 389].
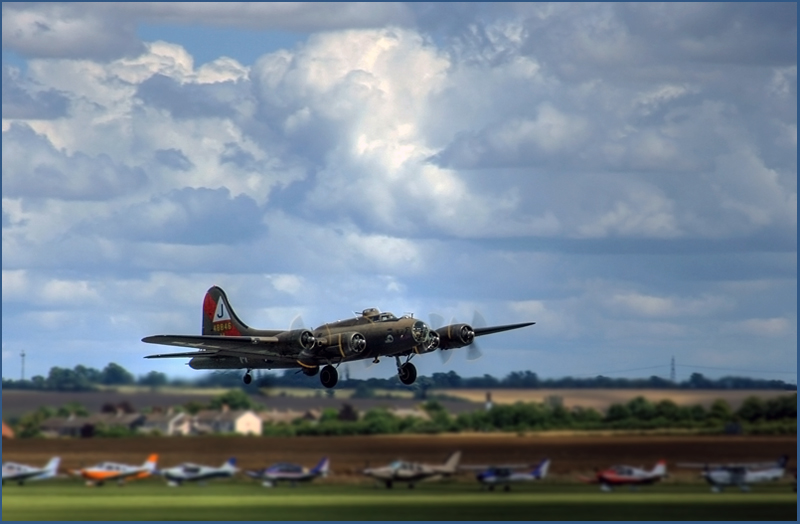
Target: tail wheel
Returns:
[328, 376]
[407, 373]
[247, 378]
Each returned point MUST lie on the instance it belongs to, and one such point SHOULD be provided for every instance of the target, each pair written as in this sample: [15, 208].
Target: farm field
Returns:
[237, 500]
[601, 399]
[19, 402]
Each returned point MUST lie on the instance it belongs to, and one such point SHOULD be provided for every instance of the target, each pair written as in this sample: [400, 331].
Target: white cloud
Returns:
[761, 327]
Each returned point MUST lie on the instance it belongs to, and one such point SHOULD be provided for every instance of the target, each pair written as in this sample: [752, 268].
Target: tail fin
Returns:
[322, 468]
[230, 463]
[218, 316]
[453, 460]
[150, 463]
[783, 461]
[540, 471]
[660, 469]
[50, 469]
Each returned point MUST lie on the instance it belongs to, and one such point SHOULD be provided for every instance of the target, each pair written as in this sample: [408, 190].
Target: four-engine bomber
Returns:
[228, 343]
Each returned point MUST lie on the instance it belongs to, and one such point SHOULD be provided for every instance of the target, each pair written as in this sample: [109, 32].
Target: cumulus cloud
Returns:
[619, 173]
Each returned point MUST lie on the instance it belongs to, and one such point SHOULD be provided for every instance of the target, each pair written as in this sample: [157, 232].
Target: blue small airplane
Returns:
[491, 476]
[292, 473]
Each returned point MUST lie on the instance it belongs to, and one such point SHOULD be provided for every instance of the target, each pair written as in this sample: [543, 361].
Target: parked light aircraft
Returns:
[13, 471]
[740, 475]
[291, 473]
[628, 476]
[228, 343]
[189, 472]
[413, 472]
[108, 471]
[491, 476]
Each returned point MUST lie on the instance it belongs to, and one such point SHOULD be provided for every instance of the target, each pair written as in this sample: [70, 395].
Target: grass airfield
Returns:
[242, 500]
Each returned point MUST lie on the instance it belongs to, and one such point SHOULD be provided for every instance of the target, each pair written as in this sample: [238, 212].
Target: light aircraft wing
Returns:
[473, 467]
[732, 465]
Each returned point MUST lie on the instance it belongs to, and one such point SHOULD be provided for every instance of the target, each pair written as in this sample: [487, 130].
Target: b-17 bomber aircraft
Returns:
[740, 475]
[228, 343]
[189, 472]
[20, 473]
[291, 473]
[413, 472]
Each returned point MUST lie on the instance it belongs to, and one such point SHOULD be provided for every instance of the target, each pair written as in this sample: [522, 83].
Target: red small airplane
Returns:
[628, 476]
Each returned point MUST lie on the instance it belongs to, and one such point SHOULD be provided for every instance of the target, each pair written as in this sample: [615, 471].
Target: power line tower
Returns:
[672, 370]
[22, 354]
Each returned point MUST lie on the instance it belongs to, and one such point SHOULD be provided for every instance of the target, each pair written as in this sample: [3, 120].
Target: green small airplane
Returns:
[228, 343]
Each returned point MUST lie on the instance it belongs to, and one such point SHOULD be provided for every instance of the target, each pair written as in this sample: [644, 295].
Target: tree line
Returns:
[83, 378]
[776, 415]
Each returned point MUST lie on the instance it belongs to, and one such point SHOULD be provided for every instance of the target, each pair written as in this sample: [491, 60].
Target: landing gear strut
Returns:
[247, 378]
[328, 376]
[406, 372]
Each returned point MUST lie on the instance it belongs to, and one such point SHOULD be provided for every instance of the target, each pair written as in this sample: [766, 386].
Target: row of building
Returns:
[171, 423]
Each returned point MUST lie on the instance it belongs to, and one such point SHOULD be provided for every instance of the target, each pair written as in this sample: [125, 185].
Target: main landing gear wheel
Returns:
[407, 373]
[247, 378]
[328, 376]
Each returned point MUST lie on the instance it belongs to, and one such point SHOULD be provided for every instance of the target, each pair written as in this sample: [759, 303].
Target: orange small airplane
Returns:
[109, 471]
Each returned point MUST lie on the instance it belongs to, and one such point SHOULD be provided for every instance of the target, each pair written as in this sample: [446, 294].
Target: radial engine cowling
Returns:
[455, 336]
[432, 342]
[347, 344]
[298, 338]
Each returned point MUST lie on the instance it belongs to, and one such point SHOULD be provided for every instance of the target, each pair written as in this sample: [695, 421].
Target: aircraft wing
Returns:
[471, 467]
[213, 345]
[498, 329]
[732, 466]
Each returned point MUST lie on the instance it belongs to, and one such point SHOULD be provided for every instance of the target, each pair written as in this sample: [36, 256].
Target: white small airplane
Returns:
[188, 472]
[740, 475]
[107, 471]
[292, 473]
[413, 472]
[13, 471]
[491, 476]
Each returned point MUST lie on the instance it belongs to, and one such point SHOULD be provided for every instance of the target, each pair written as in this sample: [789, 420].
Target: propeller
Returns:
[437, 321]
[297, 323]
[473, 350]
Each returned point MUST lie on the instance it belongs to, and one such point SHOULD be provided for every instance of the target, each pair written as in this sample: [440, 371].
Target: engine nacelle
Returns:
[455, 336]
[298, 339]
[432, 343]
[347, 344]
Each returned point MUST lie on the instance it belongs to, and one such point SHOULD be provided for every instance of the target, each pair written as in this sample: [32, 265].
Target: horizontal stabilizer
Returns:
[184, 355]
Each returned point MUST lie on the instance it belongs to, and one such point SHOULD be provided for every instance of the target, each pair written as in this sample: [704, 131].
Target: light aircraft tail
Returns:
[322, 468]
[540, 471]
[218, 316]
[150, 464]
[50, 469]
[452, 461]
[783, 461]
[230, 464]
[660, 469]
